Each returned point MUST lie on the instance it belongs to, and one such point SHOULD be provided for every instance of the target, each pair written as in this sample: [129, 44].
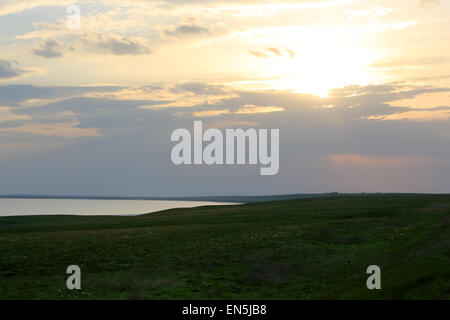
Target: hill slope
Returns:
[291, 249]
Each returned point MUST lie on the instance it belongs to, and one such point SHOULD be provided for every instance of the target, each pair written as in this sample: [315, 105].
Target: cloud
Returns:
[357, 160]
[272, 51]
[116, 44]
[245, 110]
[371, 12]
[189, 94]
[6, 116]
[200, 88]
[15, 6]
[17, 94]
[210, 113]
[290, 52]
[429, 3]
[411, 62]
[316, 144]
[425, 100]
[259, 54]
[437, 114]
[58, 129]
[48, 49]
[9, 71]
[251, 108]
[187, 31]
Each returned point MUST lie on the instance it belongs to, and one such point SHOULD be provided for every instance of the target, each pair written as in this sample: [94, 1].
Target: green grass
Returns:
[291, 249]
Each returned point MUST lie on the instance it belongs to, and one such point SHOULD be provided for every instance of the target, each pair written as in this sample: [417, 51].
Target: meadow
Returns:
[316, 248]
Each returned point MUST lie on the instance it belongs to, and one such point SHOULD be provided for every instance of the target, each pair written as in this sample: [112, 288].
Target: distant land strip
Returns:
[231, 198]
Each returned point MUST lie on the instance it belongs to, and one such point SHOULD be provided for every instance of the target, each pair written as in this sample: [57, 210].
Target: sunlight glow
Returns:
[323, 58]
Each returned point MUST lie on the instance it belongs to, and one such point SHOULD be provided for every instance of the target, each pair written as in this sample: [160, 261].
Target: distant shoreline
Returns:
[231, 198]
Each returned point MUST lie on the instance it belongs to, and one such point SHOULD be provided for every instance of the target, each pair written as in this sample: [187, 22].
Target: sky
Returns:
[359, 89]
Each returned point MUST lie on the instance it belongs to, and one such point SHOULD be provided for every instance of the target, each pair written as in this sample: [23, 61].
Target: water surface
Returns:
[88, 207]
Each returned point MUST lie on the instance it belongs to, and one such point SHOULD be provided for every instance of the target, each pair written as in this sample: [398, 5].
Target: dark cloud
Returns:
[133, 152]
[348, 103]
[9, 70]
[118, 45]
[11, 124]
[13, 95]
[48, 49]
[187, 30]
[199, 88]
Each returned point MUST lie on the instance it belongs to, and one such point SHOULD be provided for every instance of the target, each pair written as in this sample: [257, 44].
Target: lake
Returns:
[91, 207]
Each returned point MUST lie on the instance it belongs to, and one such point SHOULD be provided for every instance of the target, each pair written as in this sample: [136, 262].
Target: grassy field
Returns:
[291, 249]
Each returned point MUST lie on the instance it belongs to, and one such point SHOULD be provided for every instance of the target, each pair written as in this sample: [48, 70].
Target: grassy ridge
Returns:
[290, 249]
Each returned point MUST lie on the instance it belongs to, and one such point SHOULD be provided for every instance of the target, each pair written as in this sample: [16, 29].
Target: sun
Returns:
[323, 68]
[323, 60]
